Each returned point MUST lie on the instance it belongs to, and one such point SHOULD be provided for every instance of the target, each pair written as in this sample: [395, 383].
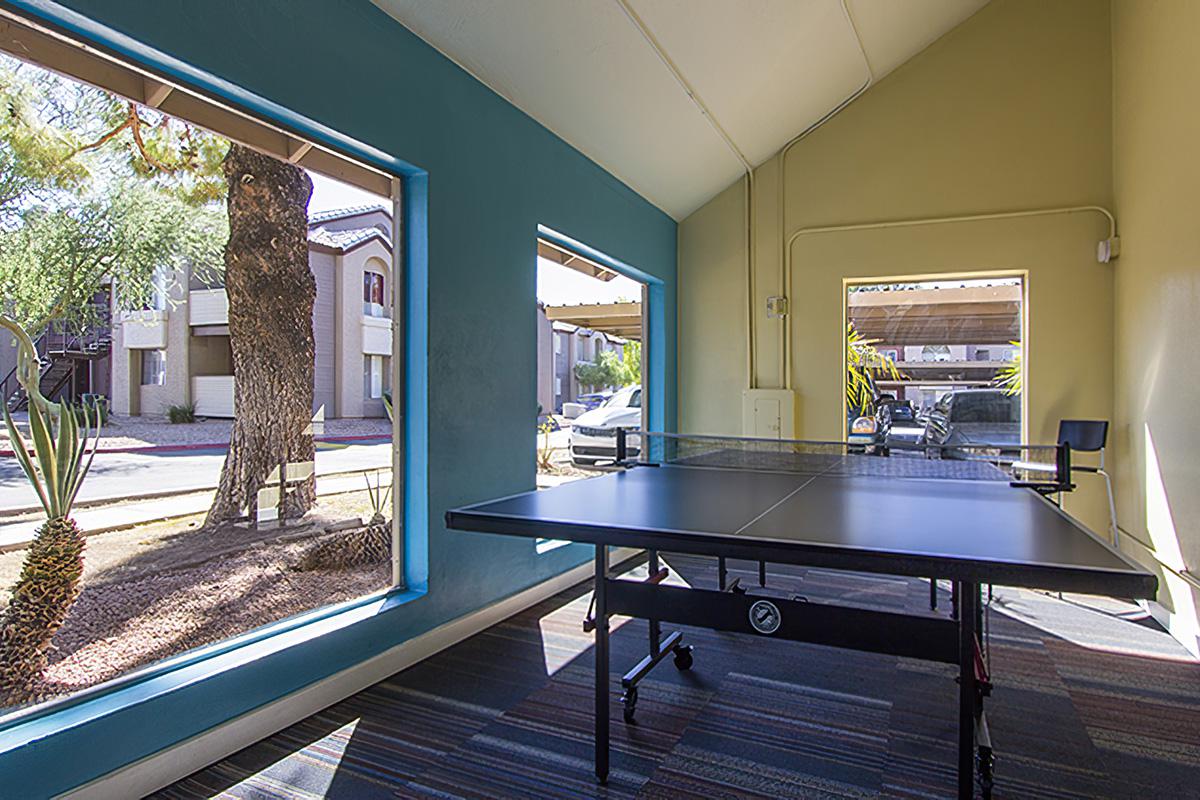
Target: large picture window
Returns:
[153, 173]
[935, 364]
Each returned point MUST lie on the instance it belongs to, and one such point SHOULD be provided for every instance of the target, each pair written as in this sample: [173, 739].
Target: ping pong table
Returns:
[968, 519]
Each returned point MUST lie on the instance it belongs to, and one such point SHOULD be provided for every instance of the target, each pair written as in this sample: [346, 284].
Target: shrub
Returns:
[182, 413]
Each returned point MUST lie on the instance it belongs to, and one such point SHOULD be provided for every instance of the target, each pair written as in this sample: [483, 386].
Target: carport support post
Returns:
[600, 595]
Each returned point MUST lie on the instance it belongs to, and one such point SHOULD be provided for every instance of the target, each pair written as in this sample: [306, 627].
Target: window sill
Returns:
[25, 726]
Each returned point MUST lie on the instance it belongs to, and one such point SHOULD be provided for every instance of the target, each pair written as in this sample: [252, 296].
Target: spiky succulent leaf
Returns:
[47, 463]
[64, 451]
[82, 466]
[21, 450]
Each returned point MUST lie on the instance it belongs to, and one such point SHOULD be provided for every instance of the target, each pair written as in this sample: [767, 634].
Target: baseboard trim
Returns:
[178, 761]
[1179, 629]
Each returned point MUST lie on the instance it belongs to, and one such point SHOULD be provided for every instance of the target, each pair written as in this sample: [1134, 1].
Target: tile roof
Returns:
[346, 240]
[318, 217]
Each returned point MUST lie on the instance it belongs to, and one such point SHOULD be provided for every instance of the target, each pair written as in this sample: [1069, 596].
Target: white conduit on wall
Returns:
[785, 243]
[910, 223]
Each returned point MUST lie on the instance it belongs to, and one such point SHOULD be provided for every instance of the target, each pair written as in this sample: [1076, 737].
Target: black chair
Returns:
[1082, 436]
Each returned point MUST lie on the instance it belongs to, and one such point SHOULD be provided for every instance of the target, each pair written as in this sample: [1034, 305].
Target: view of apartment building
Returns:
[177, 351]
[562, 345]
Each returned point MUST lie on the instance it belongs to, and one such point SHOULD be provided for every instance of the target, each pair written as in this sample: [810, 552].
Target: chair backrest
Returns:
[1084, 435]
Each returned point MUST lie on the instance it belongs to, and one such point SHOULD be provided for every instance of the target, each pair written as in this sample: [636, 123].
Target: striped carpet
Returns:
[1090, 701]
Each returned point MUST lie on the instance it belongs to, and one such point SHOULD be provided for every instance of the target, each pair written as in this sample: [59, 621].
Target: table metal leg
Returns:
[968, 598]
[601, 598]
[933, 594]
[655, 627]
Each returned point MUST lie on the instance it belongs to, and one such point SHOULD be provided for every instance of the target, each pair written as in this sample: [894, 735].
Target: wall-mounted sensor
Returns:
[1108, 249]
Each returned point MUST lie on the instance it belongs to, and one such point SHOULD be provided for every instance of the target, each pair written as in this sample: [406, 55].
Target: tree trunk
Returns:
[271, 291]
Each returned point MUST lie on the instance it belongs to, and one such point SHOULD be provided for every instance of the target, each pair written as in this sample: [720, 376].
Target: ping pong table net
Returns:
[1034, 465]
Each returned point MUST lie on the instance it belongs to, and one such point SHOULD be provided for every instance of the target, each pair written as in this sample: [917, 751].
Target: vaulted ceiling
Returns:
[609, 76]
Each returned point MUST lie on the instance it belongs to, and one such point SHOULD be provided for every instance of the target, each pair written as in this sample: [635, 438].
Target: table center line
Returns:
[781, 501]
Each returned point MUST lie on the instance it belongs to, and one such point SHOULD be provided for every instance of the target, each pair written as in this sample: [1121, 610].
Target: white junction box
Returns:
[769, 413]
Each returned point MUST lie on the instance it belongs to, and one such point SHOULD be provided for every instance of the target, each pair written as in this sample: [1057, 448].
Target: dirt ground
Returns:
[160, 589]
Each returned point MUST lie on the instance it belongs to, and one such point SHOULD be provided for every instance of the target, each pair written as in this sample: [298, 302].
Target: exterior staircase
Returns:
[59, 352]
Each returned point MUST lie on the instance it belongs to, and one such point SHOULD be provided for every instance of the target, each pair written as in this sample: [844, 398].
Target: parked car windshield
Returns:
[986, 407]
[625, 398]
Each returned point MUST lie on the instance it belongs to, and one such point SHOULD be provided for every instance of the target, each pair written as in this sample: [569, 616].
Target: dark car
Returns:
[896, 425]
[974, 421]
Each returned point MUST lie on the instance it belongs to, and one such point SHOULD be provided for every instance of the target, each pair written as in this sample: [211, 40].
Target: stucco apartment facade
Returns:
[178, 352]
[561, 346]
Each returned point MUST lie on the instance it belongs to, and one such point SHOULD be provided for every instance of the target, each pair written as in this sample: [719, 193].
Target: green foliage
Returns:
[61, 134]
[94, 187]
[610, 371]
[52, 264]
[184, 413]
[631, 364]
[34, 156]
[378, 496]
[545, 453]
[1009, 377]
[387, 406]
[55, 459]
[865, 364]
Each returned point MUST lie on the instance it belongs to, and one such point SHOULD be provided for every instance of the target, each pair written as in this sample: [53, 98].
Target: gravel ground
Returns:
[561, 465]
[161, 589]
[147, 431]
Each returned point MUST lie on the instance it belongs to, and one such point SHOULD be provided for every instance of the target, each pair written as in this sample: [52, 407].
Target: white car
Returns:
[593, 435]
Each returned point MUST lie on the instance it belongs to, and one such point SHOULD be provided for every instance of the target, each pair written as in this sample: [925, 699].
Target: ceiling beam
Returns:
[155, 92]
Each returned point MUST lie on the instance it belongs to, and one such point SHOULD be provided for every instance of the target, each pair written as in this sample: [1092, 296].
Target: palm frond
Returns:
[864, 365]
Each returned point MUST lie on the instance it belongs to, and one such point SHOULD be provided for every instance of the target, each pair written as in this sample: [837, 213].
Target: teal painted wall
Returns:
[493, 175]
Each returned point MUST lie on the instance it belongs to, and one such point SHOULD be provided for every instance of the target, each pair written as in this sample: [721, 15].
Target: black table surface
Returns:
[971, 530]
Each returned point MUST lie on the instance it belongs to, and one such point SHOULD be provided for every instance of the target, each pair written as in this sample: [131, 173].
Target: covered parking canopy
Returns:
[618, 319]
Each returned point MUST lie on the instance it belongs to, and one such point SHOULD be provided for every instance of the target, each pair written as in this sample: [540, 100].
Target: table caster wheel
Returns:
[629, 701]
[683, 657]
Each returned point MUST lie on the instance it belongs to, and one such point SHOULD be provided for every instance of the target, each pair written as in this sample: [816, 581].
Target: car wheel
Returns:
[581, 462]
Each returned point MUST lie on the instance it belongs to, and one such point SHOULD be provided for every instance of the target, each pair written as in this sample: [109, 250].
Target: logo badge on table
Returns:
[765, 617]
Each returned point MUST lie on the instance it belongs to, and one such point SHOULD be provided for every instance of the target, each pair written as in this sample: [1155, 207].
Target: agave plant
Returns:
[55, 459]
[1008, 377]
[370, 544]
[863, 364]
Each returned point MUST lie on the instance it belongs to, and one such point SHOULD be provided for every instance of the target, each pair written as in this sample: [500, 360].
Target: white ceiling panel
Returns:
[766, 70]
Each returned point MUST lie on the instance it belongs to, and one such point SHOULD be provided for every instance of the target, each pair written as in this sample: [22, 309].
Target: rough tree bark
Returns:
[271, 291]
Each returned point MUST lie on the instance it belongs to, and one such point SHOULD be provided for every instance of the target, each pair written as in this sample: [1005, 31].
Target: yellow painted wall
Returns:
[1156, 122]
[1011, 110]
[712, 319]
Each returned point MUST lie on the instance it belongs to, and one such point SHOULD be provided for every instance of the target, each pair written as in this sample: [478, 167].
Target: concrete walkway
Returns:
[16, 535]
[116, 476]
